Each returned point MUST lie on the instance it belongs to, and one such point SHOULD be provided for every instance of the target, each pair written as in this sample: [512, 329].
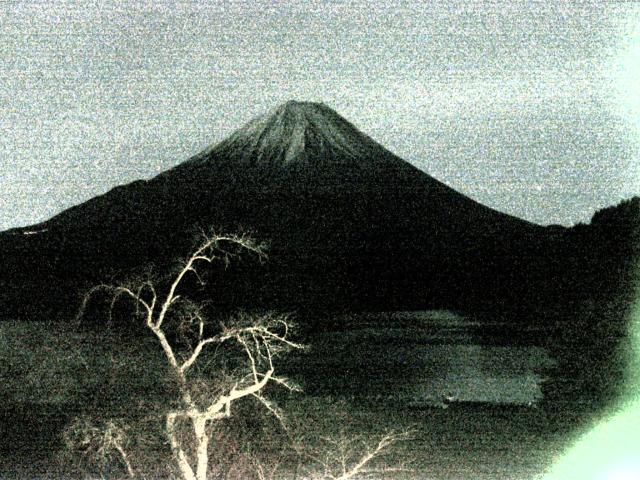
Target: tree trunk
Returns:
[202, 447]
[186, 472]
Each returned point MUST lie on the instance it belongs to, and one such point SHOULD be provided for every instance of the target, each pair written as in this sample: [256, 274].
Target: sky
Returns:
[532, 108]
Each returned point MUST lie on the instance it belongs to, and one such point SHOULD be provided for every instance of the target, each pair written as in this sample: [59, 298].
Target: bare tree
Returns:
[185, 336]
[101, 442]
[188, 341]
[346, 457]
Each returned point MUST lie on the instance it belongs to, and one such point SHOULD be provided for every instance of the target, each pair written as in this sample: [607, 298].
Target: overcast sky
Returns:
[532, 108]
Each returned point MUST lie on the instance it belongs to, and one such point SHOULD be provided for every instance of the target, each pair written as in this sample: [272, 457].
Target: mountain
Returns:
[350, 225]
[300, 133]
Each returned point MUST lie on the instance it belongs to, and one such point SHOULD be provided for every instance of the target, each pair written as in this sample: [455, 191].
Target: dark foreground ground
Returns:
[359, 383]
[459, 442]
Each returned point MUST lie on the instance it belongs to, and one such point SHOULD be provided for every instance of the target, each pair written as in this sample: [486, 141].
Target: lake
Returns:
[422, 357]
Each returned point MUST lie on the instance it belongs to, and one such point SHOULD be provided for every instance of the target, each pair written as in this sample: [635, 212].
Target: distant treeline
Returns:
[597, 285]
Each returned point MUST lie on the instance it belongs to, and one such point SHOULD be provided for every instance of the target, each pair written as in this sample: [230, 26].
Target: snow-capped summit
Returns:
[299, 133]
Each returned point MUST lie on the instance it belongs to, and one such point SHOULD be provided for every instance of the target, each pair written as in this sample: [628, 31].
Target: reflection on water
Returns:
[481, 373]
[425, 357]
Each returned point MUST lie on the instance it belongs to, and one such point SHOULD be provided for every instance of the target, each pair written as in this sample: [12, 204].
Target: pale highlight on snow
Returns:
[296, 131]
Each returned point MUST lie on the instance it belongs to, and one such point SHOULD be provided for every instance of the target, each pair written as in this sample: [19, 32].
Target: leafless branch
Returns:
[259, 338]
[196, 353]
[272, 408]
[342, 461]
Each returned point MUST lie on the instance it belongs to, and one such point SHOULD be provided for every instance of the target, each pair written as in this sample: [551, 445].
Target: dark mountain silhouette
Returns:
[350, 225]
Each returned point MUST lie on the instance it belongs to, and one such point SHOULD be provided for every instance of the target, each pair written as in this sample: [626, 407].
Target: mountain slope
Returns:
[295, 133]
[350, 225]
